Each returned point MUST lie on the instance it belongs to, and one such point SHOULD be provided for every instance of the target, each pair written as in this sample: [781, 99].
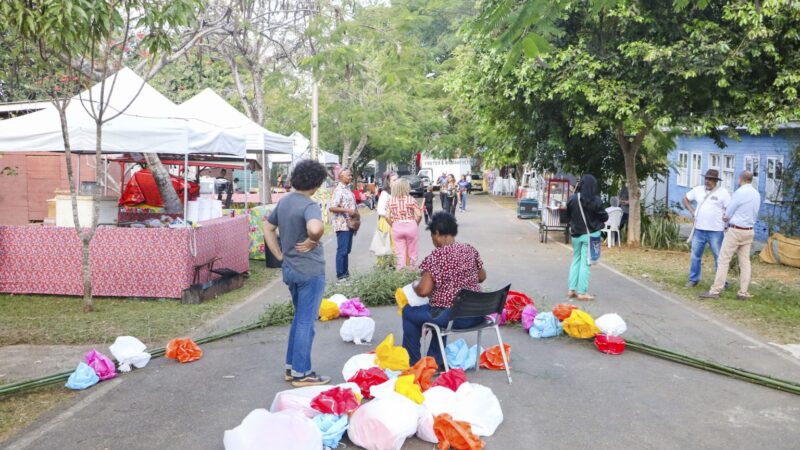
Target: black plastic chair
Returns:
[472, 304]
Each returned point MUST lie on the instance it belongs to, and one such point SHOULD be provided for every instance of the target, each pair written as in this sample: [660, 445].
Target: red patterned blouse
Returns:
[401, 208]
[453, 267]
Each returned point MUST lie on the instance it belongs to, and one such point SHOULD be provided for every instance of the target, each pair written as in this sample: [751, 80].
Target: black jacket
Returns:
[596, 214]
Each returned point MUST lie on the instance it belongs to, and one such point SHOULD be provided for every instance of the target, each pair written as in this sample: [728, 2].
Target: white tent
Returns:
[151, 124]
[302, 150]
[209, 107]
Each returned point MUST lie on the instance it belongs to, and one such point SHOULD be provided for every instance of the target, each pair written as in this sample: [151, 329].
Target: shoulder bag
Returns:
[595, 244]
[696, 210]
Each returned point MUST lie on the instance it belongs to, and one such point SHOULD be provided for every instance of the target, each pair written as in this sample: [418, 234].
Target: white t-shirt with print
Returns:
[709, 216]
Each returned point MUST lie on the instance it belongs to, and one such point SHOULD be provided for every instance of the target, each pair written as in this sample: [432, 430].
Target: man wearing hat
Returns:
[710, 202]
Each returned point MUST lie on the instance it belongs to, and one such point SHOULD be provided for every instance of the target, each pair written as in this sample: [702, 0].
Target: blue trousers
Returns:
[415, 316]
[699, 241]
[344, 243]
[306, 297]
[463, 201]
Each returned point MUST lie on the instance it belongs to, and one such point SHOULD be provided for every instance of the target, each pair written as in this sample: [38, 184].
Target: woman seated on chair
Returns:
[451, 267]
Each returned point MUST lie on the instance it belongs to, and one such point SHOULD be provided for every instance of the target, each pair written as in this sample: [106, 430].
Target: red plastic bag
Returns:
[184, 350]
[515, 302]
[563, 310]
[613, 345]
[335, 401]
[492, 359]
[451, 379]
[366, 378]
[141, 188]
[455, 434]
[423, 372]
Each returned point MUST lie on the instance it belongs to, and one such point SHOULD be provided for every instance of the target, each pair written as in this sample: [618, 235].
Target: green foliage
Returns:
[785, 218]
[278, 314]
[375, 288]
[661, 232]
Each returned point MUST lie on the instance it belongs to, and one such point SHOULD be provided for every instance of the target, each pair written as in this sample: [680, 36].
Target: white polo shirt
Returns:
[708, 216]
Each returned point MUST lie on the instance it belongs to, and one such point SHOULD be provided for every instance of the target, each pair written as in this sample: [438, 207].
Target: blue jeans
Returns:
[699, 241]
[344, 243]
[463, 201]
[414, 317]
[306, 297]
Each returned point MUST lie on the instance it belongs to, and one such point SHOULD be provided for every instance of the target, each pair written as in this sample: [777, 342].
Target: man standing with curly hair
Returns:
[299, 219]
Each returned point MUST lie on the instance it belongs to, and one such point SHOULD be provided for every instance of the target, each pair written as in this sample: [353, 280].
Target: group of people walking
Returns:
[452, 193]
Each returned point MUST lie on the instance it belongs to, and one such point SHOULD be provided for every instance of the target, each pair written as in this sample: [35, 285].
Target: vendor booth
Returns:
[127, 262]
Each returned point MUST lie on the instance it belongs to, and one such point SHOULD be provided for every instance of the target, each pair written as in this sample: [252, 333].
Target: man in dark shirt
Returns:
[428, 203]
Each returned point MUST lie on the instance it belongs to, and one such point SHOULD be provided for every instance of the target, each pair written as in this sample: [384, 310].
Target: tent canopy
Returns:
[208, 106]
[302, 150]
[151, 124]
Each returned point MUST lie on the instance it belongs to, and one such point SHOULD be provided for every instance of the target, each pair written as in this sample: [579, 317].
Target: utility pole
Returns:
[314, 121]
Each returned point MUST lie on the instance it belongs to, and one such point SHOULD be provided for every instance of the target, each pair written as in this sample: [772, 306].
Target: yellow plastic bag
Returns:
[580, 325]
[390, 357]
[402, 301]
[328, 310]
[405, 386]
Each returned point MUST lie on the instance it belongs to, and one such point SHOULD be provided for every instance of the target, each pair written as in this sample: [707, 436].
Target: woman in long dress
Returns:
[383, 224]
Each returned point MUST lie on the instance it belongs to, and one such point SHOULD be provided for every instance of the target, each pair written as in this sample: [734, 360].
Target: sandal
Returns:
[585, 297]
[572, 294]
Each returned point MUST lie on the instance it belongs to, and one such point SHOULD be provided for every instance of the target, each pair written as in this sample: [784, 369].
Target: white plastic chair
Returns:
[612, 224]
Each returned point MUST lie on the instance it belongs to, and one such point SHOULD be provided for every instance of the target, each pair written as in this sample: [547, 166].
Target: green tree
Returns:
[83, 39]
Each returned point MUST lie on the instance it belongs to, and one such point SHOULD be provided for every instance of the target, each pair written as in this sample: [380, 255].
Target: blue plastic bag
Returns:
[392, 374]
[545, 325]
[83, 377]
[460, 356]
[332, 428]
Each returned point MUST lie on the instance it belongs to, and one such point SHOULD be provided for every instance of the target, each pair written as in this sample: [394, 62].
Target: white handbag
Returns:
[381, 244]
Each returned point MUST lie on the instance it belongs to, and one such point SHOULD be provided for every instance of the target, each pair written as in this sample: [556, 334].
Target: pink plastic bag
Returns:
[103, 367]
[335, 401]
[353, 308]
[528, 314]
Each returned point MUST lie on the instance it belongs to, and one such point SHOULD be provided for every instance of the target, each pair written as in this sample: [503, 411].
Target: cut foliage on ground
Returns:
[774, 310]
[375, 288]
[44, 320]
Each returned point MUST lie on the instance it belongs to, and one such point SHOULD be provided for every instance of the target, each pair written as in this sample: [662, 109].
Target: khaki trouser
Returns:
[739, 242]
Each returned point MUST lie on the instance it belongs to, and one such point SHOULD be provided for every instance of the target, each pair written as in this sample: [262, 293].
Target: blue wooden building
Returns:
[764, 155]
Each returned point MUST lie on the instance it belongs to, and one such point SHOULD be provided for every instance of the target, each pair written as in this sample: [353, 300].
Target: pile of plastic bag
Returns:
[515, 303]
[96, 366]
[359, 327]
[383, 402]
[605, 331]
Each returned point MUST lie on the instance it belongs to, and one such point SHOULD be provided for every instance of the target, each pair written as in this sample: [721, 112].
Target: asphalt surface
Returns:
[565, 395]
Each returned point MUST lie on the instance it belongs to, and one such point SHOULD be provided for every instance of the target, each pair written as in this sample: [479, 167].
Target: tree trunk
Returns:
[172, 203]
[630, 148]
[346, 153]
[362, 144]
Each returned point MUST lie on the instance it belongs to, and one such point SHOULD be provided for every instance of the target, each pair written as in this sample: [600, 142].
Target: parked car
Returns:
[477, 182]
[417, 186]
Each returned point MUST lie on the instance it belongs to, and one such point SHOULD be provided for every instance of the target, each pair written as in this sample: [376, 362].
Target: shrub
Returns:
[375, 288]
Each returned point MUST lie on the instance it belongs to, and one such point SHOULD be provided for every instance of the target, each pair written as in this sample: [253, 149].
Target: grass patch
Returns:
[17, 411]
[774, 310]
[42, 319]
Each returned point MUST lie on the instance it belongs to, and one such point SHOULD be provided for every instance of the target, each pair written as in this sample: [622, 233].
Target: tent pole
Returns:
[78, 181]
[185, 188]
[246, 189]
[105, 180]
[264, 169]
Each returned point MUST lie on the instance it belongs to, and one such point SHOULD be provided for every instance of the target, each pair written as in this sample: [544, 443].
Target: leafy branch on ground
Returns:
[375, 288]
[278, 314]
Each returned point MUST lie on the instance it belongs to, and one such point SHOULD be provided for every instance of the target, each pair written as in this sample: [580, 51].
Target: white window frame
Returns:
[752, 163]
[696, 169]
[728, 172]
[683, 169]
[773, 184]
[711, 162]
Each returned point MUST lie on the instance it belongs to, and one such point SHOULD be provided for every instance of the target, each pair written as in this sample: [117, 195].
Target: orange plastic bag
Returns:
[563, 310]
[423, 372]
[455, 434]
[184, 350]
[492, 359]
[390, 357]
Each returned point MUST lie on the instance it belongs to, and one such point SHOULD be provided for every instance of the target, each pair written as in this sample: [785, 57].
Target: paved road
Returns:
[565, 394]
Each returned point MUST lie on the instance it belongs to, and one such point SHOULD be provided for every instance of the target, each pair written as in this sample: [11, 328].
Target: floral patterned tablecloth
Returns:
[126, 262]
[256, 217]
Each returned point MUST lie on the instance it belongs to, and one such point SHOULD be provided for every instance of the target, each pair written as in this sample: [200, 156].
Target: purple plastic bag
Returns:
[528, 314]
[501, 320]
[103, 367]
[353, 308]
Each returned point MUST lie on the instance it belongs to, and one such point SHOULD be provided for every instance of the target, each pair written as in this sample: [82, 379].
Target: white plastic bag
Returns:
[129, 351]
[425, 426]
[358, 330]
[439, 400]
[361, 361]
[338, 299]
[298, 399]
[261, 429]
[413, 298]
[478, 405]
[384, 423]
[385, 389]
[611, 324]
